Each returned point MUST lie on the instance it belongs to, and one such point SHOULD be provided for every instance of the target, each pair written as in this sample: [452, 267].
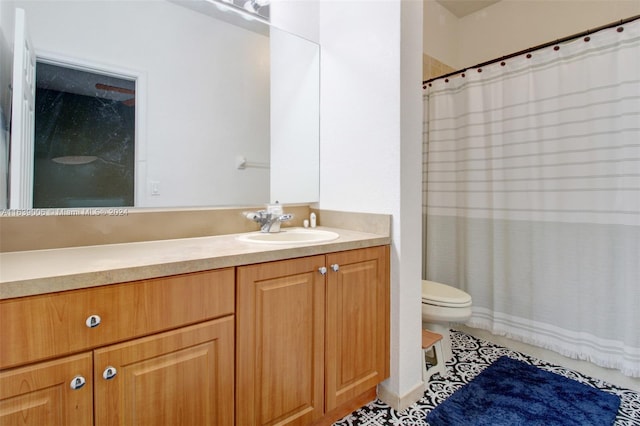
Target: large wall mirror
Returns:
[160, 104]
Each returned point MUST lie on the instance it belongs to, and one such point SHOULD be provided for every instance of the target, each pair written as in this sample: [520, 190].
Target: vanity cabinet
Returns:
[156, 351]
[292, 342]
[312, 336]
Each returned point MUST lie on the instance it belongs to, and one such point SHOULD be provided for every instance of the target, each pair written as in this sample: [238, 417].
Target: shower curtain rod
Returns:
[534, 48]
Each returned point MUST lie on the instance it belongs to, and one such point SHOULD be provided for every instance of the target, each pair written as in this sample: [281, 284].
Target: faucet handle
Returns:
[258, 216]
[285, 217]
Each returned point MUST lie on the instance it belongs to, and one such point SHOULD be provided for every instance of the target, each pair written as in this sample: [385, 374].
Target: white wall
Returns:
[299, 17]
[440, 35]
[196, 116]
[370, 147]
[406, 360]
[513, 25]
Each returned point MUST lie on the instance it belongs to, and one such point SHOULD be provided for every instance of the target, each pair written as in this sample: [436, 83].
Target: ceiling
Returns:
[462, 8]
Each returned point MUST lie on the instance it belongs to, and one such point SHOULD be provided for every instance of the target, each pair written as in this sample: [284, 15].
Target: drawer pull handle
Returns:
[109, 373]
[77, 382]
[93, 321]
[322, 270]
[335, 267]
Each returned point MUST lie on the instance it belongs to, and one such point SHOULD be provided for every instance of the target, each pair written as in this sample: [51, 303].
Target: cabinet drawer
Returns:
[40, 327]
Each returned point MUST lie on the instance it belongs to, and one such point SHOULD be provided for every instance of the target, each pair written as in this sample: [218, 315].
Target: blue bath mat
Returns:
[510, 392]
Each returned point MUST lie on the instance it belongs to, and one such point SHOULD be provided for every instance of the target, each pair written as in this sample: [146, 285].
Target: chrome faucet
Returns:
[269, 221]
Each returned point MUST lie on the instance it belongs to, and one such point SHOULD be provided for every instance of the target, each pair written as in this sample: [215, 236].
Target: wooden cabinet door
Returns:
[280, 342]
[357, 323]
[41, 394]
[180, 377]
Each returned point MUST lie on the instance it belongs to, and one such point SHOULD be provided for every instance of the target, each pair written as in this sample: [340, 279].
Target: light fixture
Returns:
[247, 9]
[250, 6]
[75, 160]
[254, 6]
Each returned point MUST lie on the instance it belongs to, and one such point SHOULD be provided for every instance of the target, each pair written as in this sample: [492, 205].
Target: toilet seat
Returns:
[437, 294]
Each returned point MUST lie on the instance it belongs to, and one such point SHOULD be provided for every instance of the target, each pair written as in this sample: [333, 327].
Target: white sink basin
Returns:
[290, 236]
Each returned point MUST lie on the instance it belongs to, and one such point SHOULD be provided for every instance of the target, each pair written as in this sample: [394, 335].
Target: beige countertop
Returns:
[25, 273]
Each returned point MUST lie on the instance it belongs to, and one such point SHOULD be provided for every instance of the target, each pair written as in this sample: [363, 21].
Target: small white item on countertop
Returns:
[275, 209]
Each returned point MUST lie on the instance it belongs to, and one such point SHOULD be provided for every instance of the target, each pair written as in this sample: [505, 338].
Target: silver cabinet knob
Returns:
[93, 321]
[109, 373]
[322, 270]
[77, 382]
[335, 267]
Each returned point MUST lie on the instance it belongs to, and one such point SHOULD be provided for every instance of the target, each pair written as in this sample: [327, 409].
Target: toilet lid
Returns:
[435, 293]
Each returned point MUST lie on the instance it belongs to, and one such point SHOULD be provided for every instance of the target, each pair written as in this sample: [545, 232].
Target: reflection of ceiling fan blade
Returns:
[115, 89]
[128, 102]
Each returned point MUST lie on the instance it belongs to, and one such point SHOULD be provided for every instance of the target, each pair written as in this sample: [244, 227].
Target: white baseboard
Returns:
[398, 402]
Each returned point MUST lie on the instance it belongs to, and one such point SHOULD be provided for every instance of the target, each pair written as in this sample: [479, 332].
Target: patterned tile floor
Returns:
[470, 356]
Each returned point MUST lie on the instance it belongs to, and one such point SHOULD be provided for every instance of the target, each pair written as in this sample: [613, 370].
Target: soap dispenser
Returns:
[312, 220]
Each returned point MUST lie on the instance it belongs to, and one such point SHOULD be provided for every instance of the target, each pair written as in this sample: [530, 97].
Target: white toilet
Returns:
[441, 306]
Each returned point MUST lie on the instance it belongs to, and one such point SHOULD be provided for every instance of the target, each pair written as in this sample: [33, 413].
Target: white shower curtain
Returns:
[532, 195]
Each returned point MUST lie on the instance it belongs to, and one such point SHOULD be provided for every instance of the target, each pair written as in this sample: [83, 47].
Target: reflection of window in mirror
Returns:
[84, 138]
